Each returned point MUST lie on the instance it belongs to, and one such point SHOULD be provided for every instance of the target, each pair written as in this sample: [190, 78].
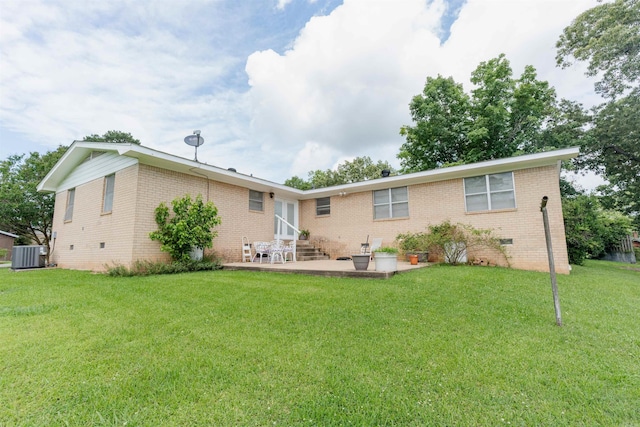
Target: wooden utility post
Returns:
[552, 266]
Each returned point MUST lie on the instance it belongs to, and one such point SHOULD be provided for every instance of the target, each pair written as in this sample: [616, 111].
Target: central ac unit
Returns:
[31, 256]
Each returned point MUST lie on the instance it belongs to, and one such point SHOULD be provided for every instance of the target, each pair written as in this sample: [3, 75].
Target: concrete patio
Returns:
[326, 268]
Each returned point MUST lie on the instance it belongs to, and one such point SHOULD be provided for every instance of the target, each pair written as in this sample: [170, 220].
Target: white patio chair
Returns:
[375, 244]
[276, 250]
[290, 248]
[246, 250]
[262, 250]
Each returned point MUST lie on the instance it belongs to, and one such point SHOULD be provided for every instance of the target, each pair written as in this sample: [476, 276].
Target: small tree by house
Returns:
[190, 227]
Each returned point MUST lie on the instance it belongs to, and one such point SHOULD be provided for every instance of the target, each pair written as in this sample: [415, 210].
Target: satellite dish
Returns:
[194, 140]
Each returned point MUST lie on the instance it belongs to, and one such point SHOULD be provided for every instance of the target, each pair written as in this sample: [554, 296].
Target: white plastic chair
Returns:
[290, 248]
[375, 244]
[246, 250]
[262, 249]
[277, 251]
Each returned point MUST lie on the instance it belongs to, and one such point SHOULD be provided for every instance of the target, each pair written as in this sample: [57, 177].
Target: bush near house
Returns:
[590, 230]
[451, 242]
[149, 268]
[412, 242]
[189, 228]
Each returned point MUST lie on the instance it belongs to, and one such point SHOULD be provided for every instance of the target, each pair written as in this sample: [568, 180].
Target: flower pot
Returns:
[360, 261]
[386, 261]
[413, 259]
[422, 256]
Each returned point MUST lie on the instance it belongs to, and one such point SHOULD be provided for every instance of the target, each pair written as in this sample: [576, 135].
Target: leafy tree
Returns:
[297, 182]
[490, 112]
[590, 230]
[324, 178]
[23, 210]
[442, 117]
[532, 106]
[608, 38]
[359, 169]
[190, 226]
[113, 136]
[503, 116]
[568, 189]
[614, 150]
[568, 125]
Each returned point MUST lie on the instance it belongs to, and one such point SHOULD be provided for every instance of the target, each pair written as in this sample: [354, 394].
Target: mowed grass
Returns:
[440, 346]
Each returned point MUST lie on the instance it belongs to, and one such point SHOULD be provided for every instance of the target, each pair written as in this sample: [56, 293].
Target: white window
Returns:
[391, 203]
[323, 206]
[107, 201]
[68, 213]
[490, 192]
[256, 200]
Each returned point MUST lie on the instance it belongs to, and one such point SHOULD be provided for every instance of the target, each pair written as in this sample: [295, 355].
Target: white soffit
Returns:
[79, 151]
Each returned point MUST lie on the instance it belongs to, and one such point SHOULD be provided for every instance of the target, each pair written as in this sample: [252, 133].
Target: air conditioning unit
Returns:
[31, 256]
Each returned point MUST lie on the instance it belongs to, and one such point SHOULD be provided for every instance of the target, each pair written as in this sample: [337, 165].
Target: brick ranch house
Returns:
[106, 195]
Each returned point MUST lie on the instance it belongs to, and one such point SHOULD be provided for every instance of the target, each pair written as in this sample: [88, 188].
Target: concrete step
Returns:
[305, 251]
[312, 257]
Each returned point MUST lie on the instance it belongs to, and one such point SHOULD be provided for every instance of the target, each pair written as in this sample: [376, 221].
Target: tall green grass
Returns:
[438, 346]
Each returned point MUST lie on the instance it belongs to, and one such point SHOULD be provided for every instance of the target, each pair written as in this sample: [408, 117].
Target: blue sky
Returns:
[277, 87]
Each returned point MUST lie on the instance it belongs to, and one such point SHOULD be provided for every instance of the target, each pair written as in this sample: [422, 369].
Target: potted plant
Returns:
[304, 234]
[386, 258]
[361, 261]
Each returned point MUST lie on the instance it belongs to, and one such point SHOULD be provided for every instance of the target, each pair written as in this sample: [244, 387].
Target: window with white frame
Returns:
[256, 200]
[107, 201]
[68, 213]
[323, 206]
[490, 192]
[391, 203]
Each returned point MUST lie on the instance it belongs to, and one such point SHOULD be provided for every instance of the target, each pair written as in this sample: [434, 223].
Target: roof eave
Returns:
[454, 172]
[79, 150]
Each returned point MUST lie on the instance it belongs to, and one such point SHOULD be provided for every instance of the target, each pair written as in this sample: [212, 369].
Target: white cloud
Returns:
[162, 69]
[346, 82]
[526, 31]
[66, 79]
[282, 4]
[348, 79]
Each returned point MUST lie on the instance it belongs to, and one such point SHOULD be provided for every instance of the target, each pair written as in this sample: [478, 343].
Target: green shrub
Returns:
[148, 268]
[3, 252]
[413, 242]
[452, 241]
[190, 227]
[590, 230]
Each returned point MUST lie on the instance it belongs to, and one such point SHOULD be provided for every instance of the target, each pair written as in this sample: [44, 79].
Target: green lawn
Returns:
[442, 346]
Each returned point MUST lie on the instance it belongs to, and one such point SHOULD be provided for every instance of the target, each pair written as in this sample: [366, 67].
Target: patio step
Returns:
[305, 251]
